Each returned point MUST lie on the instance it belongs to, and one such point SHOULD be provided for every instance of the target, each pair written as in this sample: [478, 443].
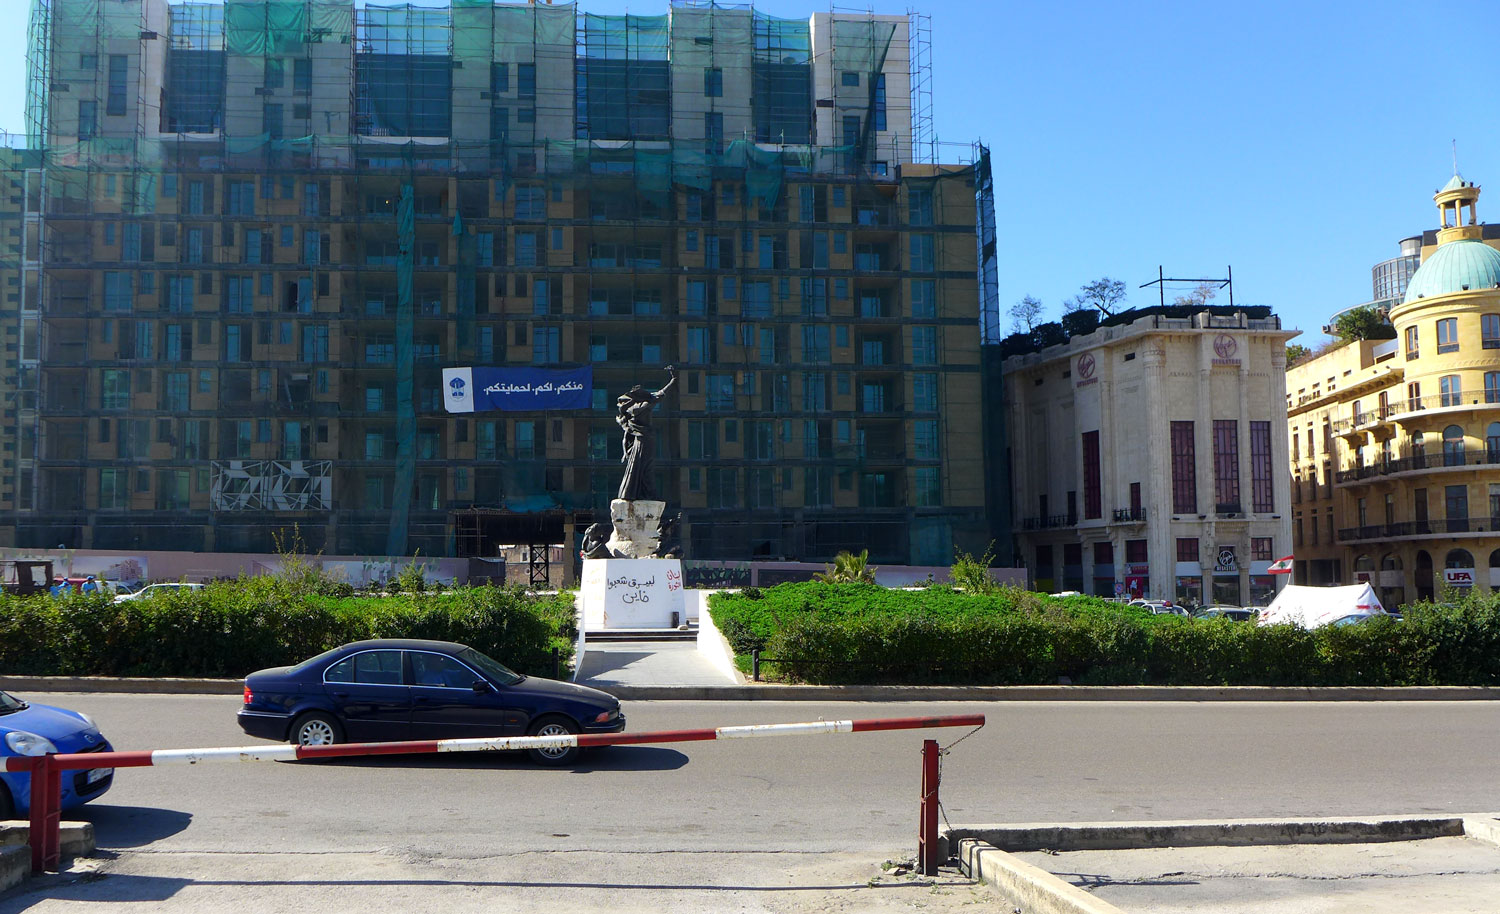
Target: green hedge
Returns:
[851, 633]
[235, 628]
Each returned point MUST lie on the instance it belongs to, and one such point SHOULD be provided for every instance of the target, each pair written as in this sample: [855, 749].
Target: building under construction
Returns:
[253, 233]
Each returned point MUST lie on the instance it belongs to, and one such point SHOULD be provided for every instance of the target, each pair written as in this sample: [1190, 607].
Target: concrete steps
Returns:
[641, 634]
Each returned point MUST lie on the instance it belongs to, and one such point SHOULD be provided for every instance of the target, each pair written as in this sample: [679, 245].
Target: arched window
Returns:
[1418, 450]
[1495, 559]
[1364, 563]
[1492, 443]
[1392, 562]
[1492, 387]
[1453, 446]
[1458, 558]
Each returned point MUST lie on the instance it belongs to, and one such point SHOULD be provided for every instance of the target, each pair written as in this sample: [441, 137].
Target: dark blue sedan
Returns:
[390, 689]
[28, 729]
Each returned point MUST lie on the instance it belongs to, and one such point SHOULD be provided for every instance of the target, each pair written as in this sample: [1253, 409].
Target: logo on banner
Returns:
[1458, 577]
[460, 389]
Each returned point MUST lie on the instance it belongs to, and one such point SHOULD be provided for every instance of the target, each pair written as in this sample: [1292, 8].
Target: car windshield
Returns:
[9, 704]
[492, 668]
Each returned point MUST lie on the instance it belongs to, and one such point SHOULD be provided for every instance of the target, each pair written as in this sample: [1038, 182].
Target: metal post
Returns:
[927, 834]
[755, 665]
[46, 815]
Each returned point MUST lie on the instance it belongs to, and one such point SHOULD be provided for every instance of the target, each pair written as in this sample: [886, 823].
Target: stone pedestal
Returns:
[631, 593]
[637, 527]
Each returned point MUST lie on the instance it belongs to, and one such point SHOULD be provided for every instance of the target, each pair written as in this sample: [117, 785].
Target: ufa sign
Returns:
[1458, 577]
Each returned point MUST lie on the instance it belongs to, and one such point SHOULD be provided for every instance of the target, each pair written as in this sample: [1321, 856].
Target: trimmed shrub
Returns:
[824, 633]
[234, 628]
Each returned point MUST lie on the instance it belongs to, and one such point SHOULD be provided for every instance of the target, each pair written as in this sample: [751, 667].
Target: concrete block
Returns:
[631, 593]
[1023, 886]
[76, 839]
[15, 865]
[1087, 836]
[1483, 828]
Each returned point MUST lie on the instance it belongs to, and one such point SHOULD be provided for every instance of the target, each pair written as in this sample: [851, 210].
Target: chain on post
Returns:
[942, 752]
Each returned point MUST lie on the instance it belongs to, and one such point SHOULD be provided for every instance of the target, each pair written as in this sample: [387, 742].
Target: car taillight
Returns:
[249, 696]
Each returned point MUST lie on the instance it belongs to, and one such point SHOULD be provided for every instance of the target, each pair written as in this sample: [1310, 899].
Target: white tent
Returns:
[1311, 607]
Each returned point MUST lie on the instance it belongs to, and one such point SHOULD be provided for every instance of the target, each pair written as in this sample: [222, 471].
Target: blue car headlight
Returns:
[24, 743]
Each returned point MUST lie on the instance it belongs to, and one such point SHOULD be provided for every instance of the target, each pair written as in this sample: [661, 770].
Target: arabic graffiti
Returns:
[674, 580]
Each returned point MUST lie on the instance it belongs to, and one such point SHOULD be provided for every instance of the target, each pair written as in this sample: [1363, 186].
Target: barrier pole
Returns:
[46, 780]
[46, 815]
[927, 829]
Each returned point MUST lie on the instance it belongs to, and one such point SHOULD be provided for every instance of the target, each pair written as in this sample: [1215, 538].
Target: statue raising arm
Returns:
[672, 370]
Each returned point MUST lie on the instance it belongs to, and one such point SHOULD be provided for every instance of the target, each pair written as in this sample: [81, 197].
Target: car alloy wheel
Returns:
[557, 755]
[315, 731]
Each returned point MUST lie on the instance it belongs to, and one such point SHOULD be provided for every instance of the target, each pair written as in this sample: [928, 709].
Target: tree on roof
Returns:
[1103, 295]
[1024, 314]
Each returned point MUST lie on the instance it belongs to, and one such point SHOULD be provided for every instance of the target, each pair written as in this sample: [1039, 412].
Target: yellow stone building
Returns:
[1395, 444]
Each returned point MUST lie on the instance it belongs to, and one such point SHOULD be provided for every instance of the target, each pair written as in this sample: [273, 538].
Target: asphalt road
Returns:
[1035, 761]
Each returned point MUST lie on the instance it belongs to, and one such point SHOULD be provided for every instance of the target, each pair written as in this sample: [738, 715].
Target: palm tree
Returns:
[848, 568]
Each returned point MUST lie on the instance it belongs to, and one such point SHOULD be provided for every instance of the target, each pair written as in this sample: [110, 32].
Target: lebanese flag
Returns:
[1281, 566]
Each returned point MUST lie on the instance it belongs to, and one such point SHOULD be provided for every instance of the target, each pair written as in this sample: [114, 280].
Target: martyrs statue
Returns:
[634, 418]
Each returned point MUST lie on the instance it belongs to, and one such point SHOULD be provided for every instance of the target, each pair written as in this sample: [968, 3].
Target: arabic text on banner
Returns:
[470, 390]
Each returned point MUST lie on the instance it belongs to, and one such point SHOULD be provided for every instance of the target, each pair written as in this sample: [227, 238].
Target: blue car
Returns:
[397, 689]
[28, 729]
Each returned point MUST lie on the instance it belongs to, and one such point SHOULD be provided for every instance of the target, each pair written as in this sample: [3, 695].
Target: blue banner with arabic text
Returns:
[471, 390]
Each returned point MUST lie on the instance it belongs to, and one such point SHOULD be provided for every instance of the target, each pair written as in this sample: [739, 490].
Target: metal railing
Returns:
[1130, 515]
[1406, 405]
[1051, 520]
[1432, 525]
[1469, 456]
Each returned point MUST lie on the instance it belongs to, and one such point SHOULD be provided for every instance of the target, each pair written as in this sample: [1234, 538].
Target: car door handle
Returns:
[340, 694]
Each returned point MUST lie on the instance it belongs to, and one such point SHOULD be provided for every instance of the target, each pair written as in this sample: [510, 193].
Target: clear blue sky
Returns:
[1296, 141]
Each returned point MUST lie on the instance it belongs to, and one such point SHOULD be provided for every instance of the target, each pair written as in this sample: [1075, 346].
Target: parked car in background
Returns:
[1232, 613]
[397, 689]
[151, 590]
[28, 729]
[1160, 607]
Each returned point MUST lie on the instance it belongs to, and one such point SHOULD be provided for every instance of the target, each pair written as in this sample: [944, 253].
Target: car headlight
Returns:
[88, 720]
[605, 717]
[23, 743]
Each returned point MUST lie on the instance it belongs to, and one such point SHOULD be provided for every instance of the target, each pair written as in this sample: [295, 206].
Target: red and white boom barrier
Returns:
[46, 770]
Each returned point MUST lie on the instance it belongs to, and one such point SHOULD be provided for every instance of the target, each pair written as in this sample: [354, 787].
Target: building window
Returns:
[713, 82]
[1411, 343]
[1492, 443]
[1489, 330]
[1450, 389]
[1227, 466]
[1413, 397]
[1453, 446]
[924, 345]
[115, 103]
[1447, 335]
[1184, 470]
[1260, 468]
[1092, 500]
[1260, 549]
[1492, 387]
[1187, 549]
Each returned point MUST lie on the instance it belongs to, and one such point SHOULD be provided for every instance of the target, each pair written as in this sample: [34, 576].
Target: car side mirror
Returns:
[481, 687]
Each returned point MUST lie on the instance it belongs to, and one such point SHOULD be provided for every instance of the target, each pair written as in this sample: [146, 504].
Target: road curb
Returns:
[773, 692]
[76, 840]
[986, 852]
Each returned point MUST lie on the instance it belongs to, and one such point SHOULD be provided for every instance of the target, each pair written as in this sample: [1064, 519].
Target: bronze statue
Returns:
[634, 418]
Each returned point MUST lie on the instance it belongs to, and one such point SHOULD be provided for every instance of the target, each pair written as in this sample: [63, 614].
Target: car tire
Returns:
[316, 728]
[7, 805]
[553, 726]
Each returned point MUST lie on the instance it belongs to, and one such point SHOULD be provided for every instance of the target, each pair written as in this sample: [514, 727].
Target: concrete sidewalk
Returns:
[1376, 865]
[610, 665]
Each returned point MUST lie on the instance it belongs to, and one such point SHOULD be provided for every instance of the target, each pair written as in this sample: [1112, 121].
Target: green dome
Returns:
[1454, 183]
[1455, 267]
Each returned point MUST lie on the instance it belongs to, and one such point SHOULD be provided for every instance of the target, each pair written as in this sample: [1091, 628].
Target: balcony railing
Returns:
[1364, 418]
[1434, 525]
[1472, 456]
[1051, 520]
[1130, 515]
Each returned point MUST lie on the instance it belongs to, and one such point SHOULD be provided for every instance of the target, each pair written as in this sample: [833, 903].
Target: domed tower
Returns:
[1433, 460]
